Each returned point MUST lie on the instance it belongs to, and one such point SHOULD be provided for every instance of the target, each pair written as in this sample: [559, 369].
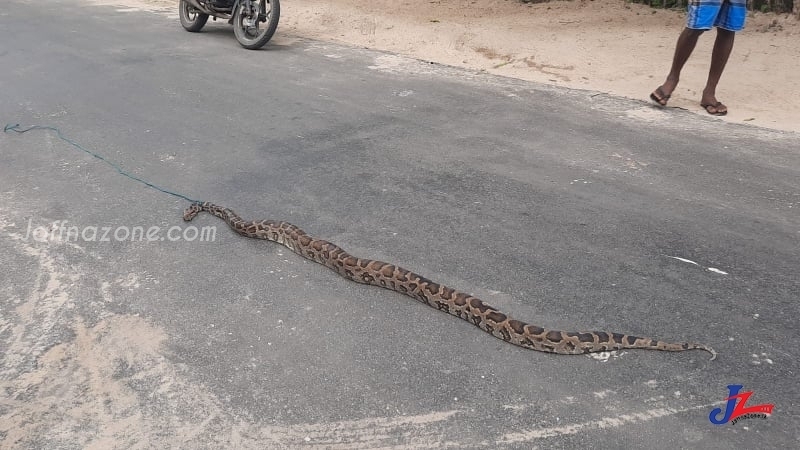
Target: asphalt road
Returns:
[568, 209]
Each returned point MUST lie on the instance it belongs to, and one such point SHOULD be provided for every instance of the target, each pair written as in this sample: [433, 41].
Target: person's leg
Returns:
[683, 50]
[700, 17]
[719, 57]
[731, 18]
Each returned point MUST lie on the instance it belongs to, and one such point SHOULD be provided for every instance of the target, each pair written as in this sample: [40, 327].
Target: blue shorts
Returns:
[726, 14]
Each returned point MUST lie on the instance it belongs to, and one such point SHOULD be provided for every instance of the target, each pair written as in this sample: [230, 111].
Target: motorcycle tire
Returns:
[191, 19]
[250, 34]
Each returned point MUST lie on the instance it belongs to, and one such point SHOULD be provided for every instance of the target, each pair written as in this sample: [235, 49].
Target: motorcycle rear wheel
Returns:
[191, 18]
[254, 29]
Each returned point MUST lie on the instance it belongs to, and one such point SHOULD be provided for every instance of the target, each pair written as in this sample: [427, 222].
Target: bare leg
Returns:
[683, 49]
[719, 57]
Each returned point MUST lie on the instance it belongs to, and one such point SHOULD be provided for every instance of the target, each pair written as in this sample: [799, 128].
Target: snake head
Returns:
[190, 212]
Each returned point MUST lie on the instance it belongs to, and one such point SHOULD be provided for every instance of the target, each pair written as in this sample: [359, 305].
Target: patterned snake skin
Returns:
[465, 306]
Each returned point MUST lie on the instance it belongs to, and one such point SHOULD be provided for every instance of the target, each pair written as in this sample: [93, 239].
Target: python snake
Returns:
[443, 298]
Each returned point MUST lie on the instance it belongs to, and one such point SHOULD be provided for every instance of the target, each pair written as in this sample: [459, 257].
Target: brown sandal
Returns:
[659, 97]
[719, 108]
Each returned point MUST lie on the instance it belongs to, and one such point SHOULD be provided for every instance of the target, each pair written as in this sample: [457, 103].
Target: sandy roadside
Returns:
[605, 45]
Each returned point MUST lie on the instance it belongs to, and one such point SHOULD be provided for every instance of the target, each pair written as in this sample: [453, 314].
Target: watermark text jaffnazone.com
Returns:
[60, 231]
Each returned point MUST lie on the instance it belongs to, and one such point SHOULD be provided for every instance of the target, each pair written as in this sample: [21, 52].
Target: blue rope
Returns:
[16, 128]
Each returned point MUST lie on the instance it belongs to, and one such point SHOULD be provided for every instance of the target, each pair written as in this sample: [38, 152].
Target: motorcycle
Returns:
[254, 21]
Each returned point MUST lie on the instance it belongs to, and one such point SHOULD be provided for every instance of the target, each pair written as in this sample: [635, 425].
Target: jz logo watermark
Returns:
[736, 408]
[59, 231]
